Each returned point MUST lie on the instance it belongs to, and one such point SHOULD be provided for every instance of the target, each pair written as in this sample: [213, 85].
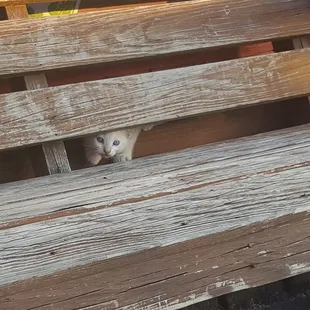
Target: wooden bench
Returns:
[161, 231]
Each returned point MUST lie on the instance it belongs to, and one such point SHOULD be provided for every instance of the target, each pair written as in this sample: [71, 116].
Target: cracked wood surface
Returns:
[83, 39]
[157, 202]
[31, 117]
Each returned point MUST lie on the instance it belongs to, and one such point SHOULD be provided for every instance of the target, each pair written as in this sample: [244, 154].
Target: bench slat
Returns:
[26, 200]
[38, 116]
[177, 276]
[207, 196]
[83, 39]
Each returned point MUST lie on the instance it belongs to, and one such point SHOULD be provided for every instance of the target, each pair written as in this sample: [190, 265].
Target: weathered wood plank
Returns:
[231, 185]
[39, 116]
[54, 152]
[24, 200]
[91, 188]
[175, 276]
[74, 40]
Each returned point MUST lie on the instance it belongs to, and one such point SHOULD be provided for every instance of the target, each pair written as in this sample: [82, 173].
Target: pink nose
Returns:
[107, 151]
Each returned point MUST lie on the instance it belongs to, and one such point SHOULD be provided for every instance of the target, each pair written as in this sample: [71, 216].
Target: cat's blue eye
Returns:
[100, 139]
[116, 142]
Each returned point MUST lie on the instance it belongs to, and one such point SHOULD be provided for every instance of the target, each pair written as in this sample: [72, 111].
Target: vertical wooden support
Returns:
[302, 42]
[54, 152]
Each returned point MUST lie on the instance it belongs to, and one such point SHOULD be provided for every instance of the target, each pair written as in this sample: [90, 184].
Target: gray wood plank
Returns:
[39, 116]
[67, 41]
[176, 276]
[267, 182]
[150, 177]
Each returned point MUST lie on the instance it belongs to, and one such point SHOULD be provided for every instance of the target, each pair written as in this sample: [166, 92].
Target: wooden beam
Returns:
[85, 108]
[84, 39]
[54, 152]
[24, 201]
[171, 277]
[165, 200]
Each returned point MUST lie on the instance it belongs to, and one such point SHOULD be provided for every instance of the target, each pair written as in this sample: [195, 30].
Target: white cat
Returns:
[116, 145]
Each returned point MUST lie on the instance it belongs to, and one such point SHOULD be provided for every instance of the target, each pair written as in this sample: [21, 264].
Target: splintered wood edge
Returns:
[177, 276]
[85, 108]
[154, 32]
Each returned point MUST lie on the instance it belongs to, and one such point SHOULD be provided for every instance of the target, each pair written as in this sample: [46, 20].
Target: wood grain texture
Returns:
[99, 179]
[69, 111]
[176, 276]
[83, 39]
[138, 66]
[16, 12]
[151, 202]
[56, 157]
[54, 152]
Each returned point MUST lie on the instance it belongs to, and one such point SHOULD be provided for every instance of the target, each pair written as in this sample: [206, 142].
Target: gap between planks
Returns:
[54, 152]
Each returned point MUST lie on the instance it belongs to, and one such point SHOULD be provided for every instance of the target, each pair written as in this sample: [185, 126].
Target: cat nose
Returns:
[107, 151]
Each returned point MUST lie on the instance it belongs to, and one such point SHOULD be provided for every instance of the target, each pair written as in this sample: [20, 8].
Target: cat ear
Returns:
[148, 127]
[129, 132]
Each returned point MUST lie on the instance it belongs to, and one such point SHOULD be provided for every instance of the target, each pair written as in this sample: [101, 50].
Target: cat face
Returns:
[105, 145]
